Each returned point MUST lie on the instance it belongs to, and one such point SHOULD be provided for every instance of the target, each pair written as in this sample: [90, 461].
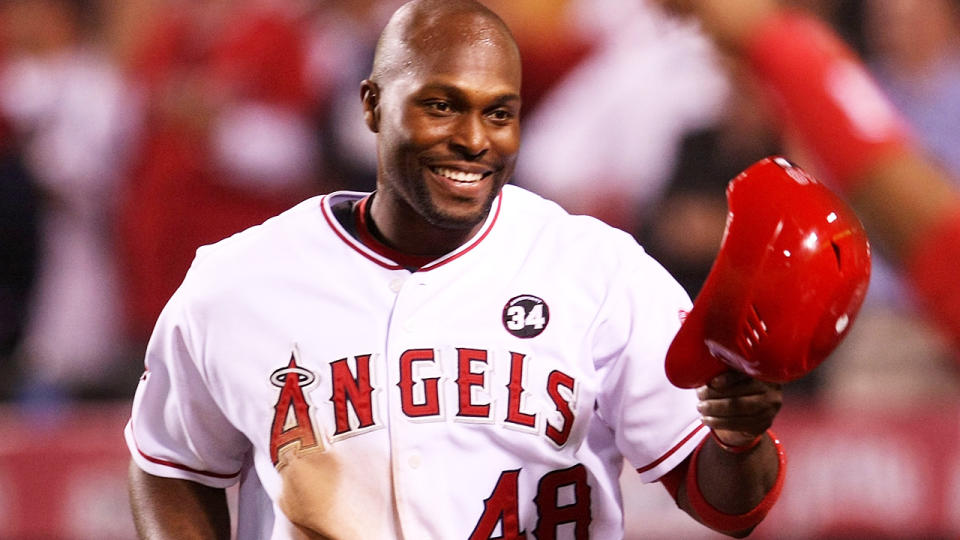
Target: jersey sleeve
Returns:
[176, 429]
[656, 425]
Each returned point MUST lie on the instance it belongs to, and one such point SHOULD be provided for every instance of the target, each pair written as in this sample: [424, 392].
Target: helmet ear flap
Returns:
[787, 283]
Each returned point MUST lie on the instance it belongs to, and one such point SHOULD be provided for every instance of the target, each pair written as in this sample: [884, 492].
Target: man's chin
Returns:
[459, 222]
[456, 213]
[459, 217]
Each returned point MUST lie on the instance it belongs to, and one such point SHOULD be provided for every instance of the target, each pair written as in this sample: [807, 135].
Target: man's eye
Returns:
[501, 115]
[439, 106]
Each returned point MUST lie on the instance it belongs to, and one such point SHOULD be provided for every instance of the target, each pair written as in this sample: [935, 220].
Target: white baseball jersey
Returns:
[492, 393]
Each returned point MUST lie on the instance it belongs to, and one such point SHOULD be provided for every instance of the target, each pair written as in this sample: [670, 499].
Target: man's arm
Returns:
[732, 480]
[176, 509]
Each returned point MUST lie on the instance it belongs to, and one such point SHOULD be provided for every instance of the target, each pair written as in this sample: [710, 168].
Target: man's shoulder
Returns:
[549, 218]
[578, 248]
[525, 201]
[256, 266]
[283, 245]
[282, 228]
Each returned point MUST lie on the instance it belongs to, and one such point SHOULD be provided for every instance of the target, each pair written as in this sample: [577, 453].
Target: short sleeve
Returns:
[656, 425]
[176, 429]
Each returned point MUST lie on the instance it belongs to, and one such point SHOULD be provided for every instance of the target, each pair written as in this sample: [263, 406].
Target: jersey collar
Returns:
[362, 227]
[385, 256]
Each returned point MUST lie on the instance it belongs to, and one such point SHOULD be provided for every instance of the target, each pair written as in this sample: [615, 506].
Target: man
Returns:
[448, 357]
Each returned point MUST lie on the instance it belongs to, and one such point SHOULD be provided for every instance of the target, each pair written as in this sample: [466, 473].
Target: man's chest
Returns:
[318, 367]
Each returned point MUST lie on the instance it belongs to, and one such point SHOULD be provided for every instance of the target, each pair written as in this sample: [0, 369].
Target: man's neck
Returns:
[369, 234]
[414, 236]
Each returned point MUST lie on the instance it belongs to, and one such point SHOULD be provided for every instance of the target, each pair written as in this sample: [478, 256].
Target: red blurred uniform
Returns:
[195, 67]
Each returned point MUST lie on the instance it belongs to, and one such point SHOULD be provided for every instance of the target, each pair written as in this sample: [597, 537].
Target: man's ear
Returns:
[370, 97]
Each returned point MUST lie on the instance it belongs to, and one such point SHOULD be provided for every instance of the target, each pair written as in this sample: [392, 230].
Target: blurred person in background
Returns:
[228, 137]
[68, 110]
[604, 139]
[19, 246]
[684, 228]
[839, 124]
[894, 345]
[552, 43]
[913, 49]
[342, 36]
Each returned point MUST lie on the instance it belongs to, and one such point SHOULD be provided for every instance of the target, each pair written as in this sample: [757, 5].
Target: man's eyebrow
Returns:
[507, 98]
[460, 94]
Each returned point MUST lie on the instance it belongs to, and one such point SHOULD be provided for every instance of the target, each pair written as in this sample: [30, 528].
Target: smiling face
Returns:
[445, 106]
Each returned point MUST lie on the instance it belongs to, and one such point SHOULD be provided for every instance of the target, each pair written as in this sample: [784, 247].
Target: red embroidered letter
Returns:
[554, 382]
[515, 392]
[431, 402]
[291, 417]
[467, 379]
[357, 390]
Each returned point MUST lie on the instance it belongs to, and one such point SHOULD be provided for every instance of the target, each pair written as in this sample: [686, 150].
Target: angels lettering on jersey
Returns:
[354, 394]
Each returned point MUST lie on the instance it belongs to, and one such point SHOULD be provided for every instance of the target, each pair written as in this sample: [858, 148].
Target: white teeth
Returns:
[459, 176]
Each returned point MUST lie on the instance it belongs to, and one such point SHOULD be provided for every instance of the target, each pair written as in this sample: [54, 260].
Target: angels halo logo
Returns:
[526, 316]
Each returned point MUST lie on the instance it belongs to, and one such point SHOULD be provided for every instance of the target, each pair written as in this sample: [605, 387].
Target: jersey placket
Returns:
[406, 332]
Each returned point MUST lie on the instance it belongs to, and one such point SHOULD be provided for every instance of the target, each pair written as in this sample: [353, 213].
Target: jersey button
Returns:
[414, 461]
[396, 284]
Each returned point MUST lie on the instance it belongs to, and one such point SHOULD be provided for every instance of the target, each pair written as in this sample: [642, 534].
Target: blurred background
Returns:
[133, 132]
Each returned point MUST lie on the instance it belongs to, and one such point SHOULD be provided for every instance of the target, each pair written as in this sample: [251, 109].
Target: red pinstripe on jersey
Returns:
[166, 463]
[670, 452]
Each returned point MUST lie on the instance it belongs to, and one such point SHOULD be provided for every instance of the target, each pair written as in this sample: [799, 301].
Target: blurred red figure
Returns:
[227, 140]
[68, 117]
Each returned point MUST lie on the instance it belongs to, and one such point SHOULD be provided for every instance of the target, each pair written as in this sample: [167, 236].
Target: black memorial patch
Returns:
[526, 316]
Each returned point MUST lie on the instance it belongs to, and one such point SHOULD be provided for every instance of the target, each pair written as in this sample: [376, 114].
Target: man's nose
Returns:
[470, 137]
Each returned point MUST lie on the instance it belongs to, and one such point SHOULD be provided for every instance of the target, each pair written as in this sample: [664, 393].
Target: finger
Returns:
[729, 378]
[732, 384]
[755, 404]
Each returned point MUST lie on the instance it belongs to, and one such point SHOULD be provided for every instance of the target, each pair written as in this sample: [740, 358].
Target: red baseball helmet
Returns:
[787, 283]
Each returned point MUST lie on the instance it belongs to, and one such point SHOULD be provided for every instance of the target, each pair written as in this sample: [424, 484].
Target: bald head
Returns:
[444, 101]
[423, 26]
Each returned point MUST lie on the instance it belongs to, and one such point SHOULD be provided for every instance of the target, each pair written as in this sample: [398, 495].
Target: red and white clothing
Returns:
[495, 391]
